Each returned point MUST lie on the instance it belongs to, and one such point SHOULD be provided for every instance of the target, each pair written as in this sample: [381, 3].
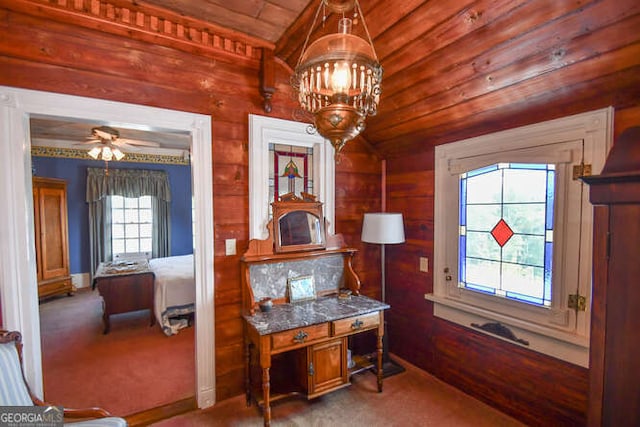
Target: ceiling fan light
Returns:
[95, 152]
[119, 155]
[107, 154]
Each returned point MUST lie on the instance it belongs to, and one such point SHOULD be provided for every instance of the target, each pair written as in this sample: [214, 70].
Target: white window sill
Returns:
[563, 345]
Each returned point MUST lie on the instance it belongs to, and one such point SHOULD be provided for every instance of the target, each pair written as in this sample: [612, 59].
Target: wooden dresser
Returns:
[301, 348]
[51, 236]
[614, 395]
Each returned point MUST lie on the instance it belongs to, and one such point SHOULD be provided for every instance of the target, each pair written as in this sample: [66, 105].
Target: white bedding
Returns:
[175, 291]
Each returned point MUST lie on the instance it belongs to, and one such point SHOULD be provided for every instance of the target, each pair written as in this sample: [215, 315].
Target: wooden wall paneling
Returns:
[231, 177]
[149, 24]
[229, 375]
[524, 108]
[536, 389]
[448, 24]
[613, 52]
[625, 118]
[467, 39]
[378, 11]
[431, 25]
[410, 189]
[477, 80]
[602, 65]
[598, 316]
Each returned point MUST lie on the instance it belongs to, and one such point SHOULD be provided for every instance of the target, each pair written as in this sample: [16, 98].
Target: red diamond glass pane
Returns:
[502, 232]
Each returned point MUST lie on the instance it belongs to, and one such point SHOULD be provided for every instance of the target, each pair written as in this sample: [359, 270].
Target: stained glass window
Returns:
[290, 170]
[506, 231]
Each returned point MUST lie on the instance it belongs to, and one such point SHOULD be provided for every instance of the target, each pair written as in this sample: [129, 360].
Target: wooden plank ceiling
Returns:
[459, 68]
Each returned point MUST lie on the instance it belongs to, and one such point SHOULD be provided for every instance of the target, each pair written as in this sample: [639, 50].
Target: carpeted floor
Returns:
[133, 368]
[412, 398]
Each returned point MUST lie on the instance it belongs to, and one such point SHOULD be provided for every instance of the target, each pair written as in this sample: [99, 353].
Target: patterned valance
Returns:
[127, 183]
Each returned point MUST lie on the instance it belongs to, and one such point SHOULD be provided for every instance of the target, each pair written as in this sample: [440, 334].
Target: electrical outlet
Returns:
[424, 264]
[230, 246]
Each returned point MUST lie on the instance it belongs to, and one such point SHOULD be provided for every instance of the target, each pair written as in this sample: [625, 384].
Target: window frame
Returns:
[564, 334]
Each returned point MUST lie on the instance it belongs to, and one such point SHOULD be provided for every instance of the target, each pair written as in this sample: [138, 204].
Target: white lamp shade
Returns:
[383, 228]
[95, 152]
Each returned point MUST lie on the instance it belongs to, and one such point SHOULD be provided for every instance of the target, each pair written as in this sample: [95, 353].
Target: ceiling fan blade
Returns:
[137, 142]
[125, 146]
[92, 141]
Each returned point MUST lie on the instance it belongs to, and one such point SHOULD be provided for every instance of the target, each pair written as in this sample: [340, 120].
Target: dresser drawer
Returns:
[294, 337]
[355, 323]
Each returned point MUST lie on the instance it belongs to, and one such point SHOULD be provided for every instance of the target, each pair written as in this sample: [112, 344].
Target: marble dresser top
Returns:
[283, 317]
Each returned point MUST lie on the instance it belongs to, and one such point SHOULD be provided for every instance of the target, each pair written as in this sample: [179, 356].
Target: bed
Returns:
[175, 292]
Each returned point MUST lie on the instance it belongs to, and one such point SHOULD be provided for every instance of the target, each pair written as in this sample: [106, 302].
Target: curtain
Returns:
[126, 183]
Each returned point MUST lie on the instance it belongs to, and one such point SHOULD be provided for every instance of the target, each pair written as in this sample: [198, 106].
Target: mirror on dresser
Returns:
[298, 223]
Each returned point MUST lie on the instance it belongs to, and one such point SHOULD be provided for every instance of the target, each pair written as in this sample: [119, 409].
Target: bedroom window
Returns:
[513, 233]
[131, 224]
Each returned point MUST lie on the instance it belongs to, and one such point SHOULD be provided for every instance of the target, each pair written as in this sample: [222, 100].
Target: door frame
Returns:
[18, 279]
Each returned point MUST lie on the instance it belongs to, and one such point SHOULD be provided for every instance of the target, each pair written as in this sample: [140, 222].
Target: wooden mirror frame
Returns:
[289, 203]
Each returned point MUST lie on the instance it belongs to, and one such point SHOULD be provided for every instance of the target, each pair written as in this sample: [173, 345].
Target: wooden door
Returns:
[327, 366]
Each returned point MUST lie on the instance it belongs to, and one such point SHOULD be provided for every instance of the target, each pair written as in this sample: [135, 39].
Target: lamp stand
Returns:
[389, 366]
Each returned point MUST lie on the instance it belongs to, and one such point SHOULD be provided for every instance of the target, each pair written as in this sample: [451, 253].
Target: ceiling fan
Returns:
[105, 136]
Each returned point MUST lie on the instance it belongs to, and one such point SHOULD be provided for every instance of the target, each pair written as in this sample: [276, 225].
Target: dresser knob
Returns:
[300, 337]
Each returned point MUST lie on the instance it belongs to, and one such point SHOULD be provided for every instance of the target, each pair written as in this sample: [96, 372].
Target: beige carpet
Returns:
[412, 398]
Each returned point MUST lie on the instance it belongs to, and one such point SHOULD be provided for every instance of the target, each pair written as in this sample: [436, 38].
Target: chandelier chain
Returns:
[306, 42]
[366, 29]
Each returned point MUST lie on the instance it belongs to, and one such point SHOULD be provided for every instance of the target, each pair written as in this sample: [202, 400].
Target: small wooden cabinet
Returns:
[326, 367]
[51, 236]
[614, 395]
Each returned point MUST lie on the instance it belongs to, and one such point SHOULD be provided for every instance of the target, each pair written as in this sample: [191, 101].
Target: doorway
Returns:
[18, 284]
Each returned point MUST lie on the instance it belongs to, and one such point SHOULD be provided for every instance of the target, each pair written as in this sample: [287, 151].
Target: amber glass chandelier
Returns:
[338, 77]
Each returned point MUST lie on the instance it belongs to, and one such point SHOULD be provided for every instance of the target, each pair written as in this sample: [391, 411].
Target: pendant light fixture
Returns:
[338, 77]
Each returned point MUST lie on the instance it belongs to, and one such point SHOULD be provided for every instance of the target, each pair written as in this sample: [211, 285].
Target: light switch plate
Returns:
[230, 246]
[424, 264]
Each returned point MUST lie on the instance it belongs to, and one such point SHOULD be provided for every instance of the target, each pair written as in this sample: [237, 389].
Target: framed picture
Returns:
[301, 289]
